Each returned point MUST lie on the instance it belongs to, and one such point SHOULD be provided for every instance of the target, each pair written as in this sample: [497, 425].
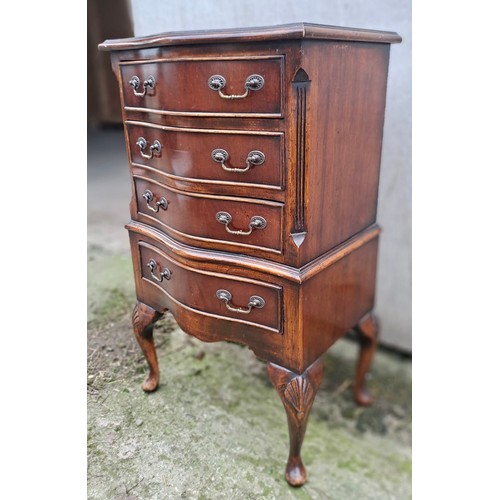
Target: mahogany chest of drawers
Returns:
[254, 159]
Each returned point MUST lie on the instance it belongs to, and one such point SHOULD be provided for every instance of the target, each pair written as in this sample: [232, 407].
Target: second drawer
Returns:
[198, 155]
[208, 220]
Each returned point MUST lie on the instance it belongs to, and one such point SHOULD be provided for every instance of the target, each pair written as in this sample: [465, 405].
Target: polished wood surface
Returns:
[197, 289]
[143, 318]
[346, 102]
[297, 394]
[335, 299]
[191, 217]
[264, 33]
[247, 266]
[186, 155]
[299, 309]
[330, 110]
[367, 329]
[182, 86]
[289, 287]
[213, 322]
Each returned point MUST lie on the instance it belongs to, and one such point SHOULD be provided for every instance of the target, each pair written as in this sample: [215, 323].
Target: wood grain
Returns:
[182, 85]
[257, 34]
[247, 266]
[297, 394]
[345, 116]
[367, 329]
[143, 319]
[334, 300]
[319, 121]
[197, 289]
[191, 217]
[186, 154]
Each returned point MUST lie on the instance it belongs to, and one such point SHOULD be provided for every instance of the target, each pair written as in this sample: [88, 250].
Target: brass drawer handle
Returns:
[256, 222]
[253, 158]
[218, 82]
[254, 302]
[166, 273]
[154, 148]
[135, 83]
[148, 196]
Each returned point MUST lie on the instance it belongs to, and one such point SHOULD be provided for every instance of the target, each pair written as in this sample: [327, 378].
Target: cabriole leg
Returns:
[143, 320]
[297, 393]
[368, 335]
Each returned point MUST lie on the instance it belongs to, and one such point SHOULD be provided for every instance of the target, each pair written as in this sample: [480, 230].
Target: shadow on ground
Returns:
[216, 428]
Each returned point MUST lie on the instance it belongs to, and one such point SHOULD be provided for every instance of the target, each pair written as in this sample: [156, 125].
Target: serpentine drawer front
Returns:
[228, 297]
[254, 159]
[204, 87]
[209, 220]
[209, 157]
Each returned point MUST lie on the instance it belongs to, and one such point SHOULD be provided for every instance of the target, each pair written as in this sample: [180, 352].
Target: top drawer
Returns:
[193, 87]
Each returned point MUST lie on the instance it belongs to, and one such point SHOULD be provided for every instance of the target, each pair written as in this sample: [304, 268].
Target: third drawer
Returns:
[210, 221]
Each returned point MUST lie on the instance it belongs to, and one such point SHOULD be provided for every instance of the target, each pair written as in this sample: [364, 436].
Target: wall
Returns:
[393, 305]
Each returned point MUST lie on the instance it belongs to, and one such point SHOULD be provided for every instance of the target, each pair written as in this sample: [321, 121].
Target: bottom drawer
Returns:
[230, 298]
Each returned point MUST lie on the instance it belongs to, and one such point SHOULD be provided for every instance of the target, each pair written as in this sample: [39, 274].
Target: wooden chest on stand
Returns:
[254, 159]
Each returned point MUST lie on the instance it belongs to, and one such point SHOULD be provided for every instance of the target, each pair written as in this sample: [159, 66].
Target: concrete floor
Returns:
[108, 184]
[216, 428]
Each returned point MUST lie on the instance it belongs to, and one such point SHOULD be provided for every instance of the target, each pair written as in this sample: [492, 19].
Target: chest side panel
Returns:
[343, 115]
[332, 302]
